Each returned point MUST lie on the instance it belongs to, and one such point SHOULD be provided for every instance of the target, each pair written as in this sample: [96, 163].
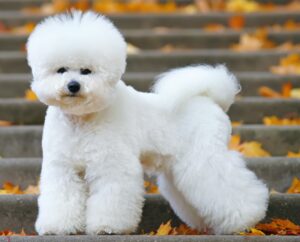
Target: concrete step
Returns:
[181, 39]
[20, 211]
[25, 141]
[6, 5]
[275, 139]
[15, 85]
[17, 110]
[276, 172]
[155, 61]
[19, 4]
[21, 171]
[172, 20]
[146, 238]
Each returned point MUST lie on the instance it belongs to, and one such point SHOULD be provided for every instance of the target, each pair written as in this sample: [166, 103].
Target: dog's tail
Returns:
[179, 85]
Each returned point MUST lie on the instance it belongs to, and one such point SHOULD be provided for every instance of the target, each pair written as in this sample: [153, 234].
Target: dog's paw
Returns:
[106, 229]
[44, 226]
[102, 230]
[117, 226]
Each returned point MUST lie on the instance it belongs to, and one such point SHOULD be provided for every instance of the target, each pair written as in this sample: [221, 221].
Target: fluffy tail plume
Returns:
[179, 85]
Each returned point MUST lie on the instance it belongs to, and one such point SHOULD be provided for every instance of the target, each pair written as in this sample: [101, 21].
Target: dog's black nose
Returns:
[73, 86]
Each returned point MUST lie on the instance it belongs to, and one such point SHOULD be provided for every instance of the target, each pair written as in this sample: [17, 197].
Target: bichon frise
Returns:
[100, 135]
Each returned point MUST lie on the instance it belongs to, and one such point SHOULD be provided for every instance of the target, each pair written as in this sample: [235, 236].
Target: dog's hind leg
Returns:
[181, 207]
[221, 190]
[212, 179]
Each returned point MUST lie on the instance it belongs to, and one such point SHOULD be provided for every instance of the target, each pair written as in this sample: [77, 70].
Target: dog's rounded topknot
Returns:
[77, 37]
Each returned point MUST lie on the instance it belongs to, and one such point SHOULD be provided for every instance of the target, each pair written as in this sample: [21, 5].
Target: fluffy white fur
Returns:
[97, 142]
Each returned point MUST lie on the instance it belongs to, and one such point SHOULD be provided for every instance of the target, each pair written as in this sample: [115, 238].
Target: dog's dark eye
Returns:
[61, 70]
[85, 71]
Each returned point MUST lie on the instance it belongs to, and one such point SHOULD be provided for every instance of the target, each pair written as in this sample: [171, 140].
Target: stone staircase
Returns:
[20, 147]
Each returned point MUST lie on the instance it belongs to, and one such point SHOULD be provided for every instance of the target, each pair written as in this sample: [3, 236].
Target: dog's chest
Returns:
[77, 144]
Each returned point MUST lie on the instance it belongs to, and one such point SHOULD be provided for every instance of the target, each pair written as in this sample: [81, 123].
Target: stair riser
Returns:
[16, 111]
[13, 88]
[277, 173]
[19, 4]
[146, 238]
[10, 88]
[146, 40]
[26, 141]
[277, 140]
[20, 212]
[252, 111]
[23, 172]
[142, 21]
[156, 62]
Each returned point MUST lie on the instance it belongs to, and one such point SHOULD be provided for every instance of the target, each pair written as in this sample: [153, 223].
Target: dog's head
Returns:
[76, 61]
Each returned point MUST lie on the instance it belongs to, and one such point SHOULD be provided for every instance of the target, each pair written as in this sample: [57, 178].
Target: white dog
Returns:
[100, 133]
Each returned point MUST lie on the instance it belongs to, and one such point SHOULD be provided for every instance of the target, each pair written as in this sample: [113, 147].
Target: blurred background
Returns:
[258, 40]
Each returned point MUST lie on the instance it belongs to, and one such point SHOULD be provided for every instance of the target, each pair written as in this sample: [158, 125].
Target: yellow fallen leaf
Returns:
[295, 186]
[286, 91]
[279, 227]
[30, 95]
[82, 5]
[108, 6]
[259, 40]
[32, 190]
[268, 92]
[291, 24]
[5, 123]
[287, 65]
[190, 9]
[291, 154]
[288, 46]
[3, 27]
[167, 48]
[248, 149]
[202, 6]
[24, 29]
[242, 6]
[253, 149]
[214, 27]
[236, 22]
[10, 188]
[183, 229]
[164, 229]
[131, 49]
[11, 233]
[273, 120]
[273, 191]
[53, 7]
[295, 92]
[60, 5]
[236, 123]
[253, 232]
[253, 42]
[290, 59]
[234, 143]
[150, 187]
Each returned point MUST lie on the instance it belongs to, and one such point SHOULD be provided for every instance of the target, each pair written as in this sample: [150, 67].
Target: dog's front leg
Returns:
[62, 200]
[116, 194]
